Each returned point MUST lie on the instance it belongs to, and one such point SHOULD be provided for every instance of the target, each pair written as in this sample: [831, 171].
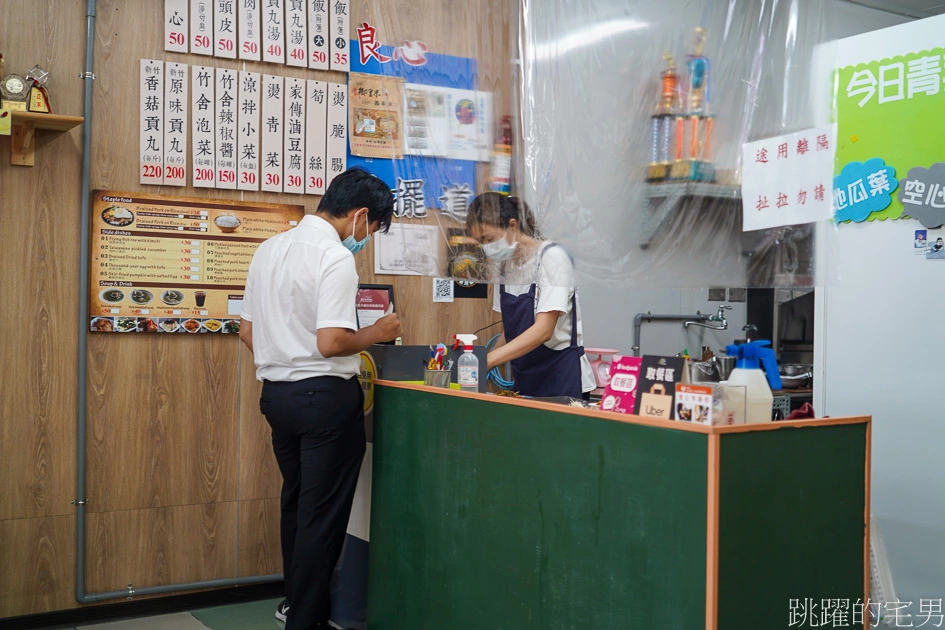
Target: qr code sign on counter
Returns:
[442, 290]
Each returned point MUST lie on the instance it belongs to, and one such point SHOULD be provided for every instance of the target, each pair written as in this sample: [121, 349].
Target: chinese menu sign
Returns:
[175, 264]
[375, 119]
[890, 129]
[787, 180]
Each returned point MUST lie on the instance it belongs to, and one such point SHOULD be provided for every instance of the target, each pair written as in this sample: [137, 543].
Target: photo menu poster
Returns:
[175, 264]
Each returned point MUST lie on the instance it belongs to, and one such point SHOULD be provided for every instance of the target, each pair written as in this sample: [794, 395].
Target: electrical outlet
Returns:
[737, 295]
[716, 295]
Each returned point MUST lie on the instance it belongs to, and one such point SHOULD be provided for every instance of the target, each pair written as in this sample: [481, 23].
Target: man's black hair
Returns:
[356, 188]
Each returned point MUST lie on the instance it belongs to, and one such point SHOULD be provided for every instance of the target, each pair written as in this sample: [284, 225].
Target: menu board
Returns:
[164, 264]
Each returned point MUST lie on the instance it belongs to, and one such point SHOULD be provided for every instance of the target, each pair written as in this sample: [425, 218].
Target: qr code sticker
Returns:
[442, 290]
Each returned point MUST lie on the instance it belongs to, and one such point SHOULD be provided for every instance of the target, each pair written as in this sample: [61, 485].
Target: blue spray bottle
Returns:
[758, 384]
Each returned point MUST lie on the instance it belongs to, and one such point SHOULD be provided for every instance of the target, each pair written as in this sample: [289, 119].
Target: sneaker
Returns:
[282, 609]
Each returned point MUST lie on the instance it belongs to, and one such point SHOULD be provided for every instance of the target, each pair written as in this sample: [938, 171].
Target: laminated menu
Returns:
[175, 264]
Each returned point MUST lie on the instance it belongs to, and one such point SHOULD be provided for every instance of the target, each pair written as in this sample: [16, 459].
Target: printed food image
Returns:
[232, 326]
[192, 326]
[227, 223]
[140, 296]
[118, 216]
[170, 325]
[147, 325]
[127, 324]
[172, 298]
[102, 324]
[213, 325]
[112, 295]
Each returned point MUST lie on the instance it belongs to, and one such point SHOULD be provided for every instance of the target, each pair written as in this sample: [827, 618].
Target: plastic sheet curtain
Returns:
[626, 122]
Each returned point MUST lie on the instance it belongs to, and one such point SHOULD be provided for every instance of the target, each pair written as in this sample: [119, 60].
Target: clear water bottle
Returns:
[468, 365]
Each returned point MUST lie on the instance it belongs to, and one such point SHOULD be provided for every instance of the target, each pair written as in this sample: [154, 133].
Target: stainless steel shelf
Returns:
[667, 198]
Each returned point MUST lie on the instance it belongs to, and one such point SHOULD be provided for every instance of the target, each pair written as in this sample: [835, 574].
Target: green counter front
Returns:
[491, 513]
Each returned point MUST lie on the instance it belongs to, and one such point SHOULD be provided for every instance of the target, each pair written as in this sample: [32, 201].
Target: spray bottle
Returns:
[468, 364]
[758, 384]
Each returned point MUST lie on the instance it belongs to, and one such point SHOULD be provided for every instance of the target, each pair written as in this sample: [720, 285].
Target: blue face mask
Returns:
[355, 246]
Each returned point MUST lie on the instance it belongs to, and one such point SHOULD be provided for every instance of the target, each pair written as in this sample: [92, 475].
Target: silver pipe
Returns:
[81, 418]
[639, 318]
[131, 591]
[80, 501]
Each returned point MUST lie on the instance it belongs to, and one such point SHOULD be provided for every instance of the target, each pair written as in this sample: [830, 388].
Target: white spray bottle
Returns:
[468, 364]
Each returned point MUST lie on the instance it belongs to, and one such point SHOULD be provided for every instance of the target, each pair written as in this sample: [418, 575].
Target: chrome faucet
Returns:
[721, 323]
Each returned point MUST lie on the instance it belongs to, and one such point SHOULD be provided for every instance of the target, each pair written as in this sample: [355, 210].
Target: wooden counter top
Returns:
[619, 417]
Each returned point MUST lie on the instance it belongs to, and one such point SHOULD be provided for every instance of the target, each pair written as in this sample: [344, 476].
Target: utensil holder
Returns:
[437, 378]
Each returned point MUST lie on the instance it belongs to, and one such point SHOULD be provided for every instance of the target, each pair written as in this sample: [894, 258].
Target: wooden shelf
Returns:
[25, 125]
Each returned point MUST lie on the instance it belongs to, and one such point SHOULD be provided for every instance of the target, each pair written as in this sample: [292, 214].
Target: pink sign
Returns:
[621, 393]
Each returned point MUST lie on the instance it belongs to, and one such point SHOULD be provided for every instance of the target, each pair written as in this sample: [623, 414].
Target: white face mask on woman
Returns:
[500, 250]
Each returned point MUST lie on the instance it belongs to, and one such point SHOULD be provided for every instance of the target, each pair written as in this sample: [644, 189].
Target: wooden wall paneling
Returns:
[162, 420]
[260, 552]
[259, 472]
[37, 565]
[160, 546]
[38, 273]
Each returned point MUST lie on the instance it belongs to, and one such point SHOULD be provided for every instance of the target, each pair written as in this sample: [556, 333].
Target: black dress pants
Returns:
[319, 441]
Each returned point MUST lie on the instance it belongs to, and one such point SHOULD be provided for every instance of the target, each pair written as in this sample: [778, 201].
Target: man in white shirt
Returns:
[300, 323]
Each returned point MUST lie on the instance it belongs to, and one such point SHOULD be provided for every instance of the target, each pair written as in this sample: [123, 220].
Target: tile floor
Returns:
[256, 615]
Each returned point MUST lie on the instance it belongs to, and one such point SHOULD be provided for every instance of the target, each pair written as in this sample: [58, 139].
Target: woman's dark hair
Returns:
[494, 209]
[356, 188]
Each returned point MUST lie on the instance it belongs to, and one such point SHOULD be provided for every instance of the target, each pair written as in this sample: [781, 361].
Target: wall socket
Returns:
[717, 295]
[737, 295]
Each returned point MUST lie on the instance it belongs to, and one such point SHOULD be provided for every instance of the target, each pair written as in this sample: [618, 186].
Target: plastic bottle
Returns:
[757, 383]
[468, 364]
[500, 180]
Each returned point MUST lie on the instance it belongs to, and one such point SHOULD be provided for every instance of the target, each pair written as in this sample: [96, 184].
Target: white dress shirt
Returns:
[300, 281]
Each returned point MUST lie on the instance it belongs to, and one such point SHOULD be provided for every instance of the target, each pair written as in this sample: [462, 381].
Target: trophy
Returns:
[662, 123]
[698, 165]
[39, 97]
[14, 90]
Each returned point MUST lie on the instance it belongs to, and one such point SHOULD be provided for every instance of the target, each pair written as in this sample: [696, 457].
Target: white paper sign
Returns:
[272, 17]
[788, 180]
[337, 130]
[294, 148]
[201, 27]
[249, 29]
[485, 125]
[203, 113]
[296, 33]
[427, 124]
[443, 290]
[464, 132]
[226, 99]
[175, 25]
[340, 57]
[407, 250]
[152, 122]
[318, 34]
[247, 176]
[224, 20]
[175, 124]
[272, 133]
[316, 123]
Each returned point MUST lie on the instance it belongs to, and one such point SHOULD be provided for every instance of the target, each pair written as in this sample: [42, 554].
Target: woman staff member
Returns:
[539, 305]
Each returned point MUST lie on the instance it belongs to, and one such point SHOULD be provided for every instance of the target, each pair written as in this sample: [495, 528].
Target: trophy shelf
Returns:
[666, 199]
[24, 126]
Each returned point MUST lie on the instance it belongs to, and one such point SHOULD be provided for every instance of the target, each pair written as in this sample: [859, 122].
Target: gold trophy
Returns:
[14, 90]
[698, 166]
[39, 97]
[661, 122]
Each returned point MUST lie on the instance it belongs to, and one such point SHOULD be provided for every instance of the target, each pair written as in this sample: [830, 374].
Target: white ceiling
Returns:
[907, 8]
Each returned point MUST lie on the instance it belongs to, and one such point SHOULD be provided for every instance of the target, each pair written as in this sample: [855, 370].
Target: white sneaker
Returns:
[282, 609]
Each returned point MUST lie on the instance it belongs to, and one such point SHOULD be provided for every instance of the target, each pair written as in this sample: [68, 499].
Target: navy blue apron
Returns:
[543, 372]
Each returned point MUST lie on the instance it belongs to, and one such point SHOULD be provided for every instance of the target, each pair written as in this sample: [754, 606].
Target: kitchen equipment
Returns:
[796, 376]
[725, 365]
[704, 371]
[437, 378]
[600, 365]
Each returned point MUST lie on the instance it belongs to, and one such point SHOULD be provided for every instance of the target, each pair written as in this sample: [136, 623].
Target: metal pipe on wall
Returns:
[80, 502]
[639, 318]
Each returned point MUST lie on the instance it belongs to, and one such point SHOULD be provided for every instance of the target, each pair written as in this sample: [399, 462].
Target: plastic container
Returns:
[468, 365]
[748, 372]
